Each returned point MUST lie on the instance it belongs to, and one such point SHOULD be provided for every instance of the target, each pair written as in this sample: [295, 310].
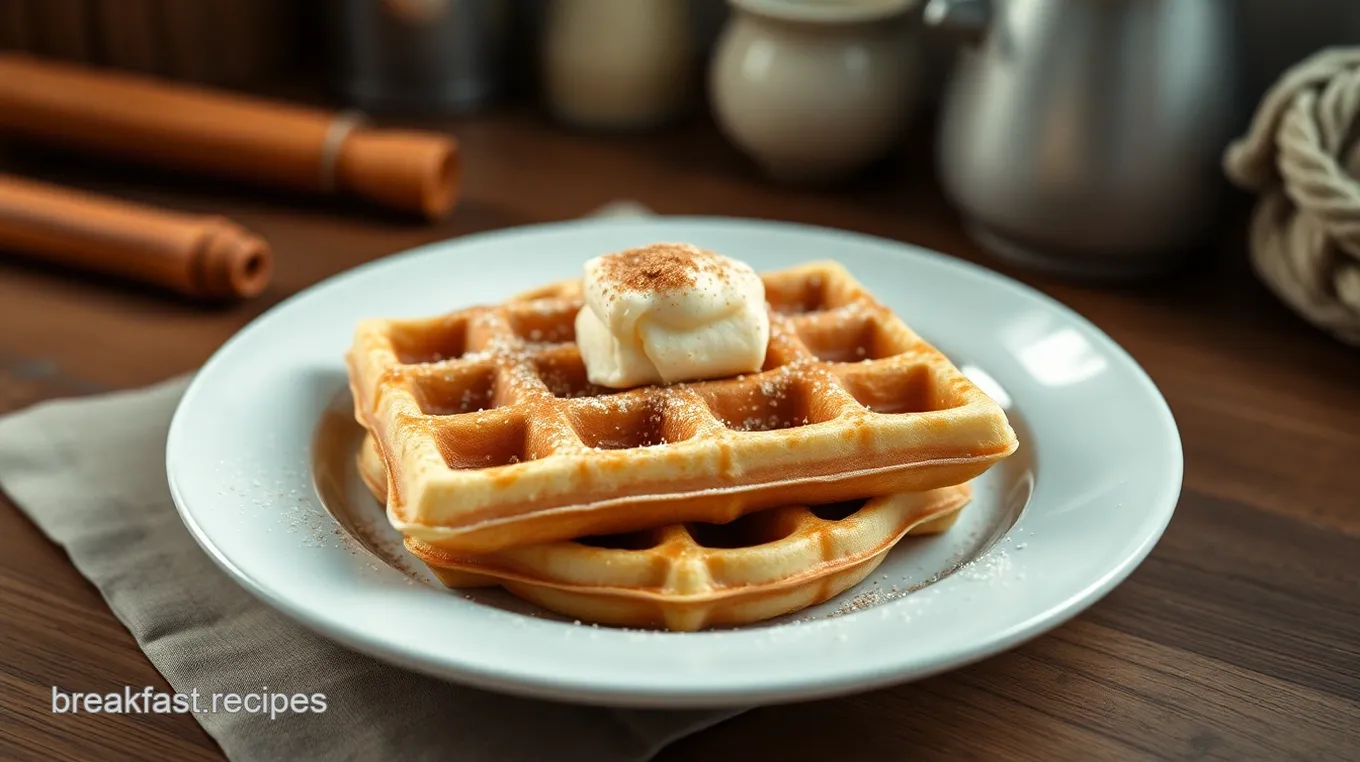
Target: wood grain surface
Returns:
[1239, 638]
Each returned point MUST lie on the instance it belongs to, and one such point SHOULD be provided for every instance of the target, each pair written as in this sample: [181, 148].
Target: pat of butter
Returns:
[670, 312]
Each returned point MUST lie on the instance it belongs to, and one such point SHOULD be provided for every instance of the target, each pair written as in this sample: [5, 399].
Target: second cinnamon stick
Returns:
[200, 256]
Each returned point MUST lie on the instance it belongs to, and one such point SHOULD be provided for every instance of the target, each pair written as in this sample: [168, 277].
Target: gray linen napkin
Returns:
[91, 474]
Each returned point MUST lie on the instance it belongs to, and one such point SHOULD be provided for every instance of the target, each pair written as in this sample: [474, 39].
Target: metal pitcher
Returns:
[1084, 136]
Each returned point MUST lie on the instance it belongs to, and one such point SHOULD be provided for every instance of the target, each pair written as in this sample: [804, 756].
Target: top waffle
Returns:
[494, 438]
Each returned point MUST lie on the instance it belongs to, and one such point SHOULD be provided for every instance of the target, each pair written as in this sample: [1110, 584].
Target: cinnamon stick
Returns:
[192, 129]
[201, 256]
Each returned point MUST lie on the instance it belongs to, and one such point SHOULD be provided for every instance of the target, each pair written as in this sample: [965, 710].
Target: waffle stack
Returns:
[684, 506]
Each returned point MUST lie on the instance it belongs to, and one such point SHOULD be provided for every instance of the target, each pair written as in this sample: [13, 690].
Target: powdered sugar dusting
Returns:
[995, 567]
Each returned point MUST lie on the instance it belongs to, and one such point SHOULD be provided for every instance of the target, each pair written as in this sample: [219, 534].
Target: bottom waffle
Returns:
[686, 577]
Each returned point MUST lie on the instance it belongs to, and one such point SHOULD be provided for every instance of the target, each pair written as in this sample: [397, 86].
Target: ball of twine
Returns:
[1300, 156]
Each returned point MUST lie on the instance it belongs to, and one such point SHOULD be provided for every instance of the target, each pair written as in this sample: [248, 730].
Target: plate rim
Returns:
[785, 688]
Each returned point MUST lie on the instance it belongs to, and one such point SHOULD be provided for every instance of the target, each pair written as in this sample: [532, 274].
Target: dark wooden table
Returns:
[1239, 638]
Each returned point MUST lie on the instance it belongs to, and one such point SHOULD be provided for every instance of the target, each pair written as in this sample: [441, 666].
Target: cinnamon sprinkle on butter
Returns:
[662, 267]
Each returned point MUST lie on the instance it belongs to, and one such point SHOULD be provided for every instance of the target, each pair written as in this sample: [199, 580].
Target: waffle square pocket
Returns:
[493, 436]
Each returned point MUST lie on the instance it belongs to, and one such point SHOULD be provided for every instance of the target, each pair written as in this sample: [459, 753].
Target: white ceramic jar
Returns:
[813, 91]
[618, 64]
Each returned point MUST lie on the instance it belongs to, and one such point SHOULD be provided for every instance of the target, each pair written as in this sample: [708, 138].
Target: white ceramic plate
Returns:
[1051, 530]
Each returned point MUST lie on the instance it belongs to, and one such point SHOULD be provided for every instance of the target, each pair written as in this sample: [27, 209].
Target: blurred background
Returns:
[1069, 137]
[250, 44]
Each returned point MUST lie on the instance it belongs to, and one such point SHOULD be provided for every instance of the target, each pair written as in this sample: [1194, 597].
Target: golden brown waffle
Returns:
[494, 438]
[687, 577]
